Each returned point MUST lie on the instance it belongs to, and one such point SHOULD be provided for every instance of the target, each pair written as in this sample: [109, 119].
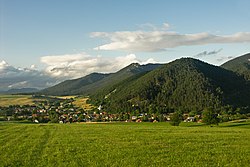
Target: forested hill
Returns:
[69, 86]
[186, 84]
[91, 83]
[240, 65]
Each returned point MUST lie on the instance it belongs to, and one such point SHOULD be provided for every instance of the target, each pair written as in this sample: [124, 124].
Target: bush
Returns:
[54, 121]
[175, 119]
[209, 116]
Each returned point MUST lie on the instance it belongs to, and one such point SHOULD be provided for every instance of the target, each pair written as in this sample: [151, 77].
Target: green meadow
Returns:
[124, 144]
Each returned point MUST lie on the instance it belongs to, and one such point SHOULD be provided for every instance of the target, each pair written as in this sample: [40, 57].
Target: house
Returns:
[190, 119]
[138, 120]
[100, 108]
[134, 118]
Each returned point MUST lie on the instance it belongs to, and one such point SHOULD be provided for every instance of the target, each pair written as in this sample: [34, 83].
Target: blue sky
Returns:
[38, 33]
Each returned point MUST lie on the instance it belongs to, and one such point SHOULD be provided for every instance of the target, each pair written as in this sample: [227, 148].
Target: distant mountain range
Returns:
[20, 91]
[184, 84]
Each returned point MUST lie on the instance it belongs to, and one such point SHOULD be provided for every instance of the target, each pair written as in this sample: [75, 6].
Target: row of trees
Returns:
[209, 117]
[55, 110]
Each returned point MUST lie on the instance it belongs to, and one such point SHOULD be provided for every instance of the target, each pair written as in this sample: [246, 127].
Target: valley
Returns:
[184, 113]
[144, 93]
[124, 83]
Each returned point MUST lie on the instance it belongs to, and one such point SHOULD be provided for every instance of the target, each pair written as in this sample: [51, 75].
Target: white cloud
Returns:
[208, 53]
[160, 40]
[5, 67]
[78, 65]
[152, 27]
[166, 26]
[150, 60]
[33, 67]
[22, 84]
[60, 68]
[3, 64]
[12, 77]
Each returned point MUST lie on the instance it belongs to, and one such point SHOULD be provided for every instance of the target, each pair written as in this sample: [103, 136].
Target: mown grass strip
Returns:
[125, 144]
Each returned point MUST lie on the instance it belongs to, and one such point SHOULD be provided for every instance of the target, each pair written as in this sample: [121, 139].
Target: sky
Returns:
[51, 41]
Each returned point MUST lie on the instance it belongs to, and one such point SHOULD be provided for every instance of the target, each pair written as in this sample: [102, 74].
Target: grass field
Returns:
[124, 144]
[6, 100]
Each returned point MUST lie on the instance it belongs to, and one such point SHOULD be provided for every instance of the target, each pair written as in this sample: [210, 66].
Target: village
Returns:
[65, 111]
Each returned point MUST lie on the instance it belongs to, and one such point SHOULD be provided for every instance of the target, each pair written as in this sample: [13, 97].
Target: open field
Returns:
[82, 103]
[6, 100]
[124, 144]
[63, 97]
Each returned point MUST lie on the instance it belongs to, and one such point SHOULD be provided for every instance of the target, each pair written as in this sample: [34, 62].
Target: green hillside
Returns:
[68, 87]
[240, 65]
[96, 81]
[185, 84]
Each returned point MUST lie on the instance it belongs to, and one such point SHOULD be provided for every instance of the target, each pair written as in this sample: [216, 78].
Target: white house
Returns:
[190, 119]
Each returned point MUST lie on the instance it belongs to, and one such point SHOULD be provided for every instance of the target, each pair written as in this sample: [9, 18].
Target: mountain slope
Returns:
[240, 65]
[68, 87]
[185, 84]
[89, 84]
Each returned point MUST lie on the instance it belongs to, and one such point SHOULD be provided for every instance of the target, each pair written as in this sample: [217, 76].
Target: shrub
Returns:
[209, 116]
[175, 119]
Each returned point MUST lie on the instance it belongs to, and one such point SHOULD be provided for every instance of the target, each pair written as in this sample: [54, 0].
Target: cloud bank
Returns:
[78, 65]
[60, 68]
[12, 77]
[154, 41]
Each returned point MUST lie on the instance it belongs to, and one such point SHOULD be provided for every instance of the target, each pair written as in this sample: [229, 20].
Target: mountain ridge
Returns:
[96, 81]
[20, 91]
[185, 84]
